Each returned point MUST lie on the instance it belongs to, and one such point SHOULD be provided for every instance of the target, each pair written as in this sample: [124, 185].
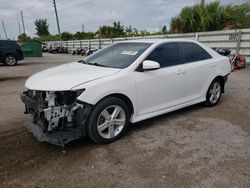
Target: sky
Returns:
[141, 14]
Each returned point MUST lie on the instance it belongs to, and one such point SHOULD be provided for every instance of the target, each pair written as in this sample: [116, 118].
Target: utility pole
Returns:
[58, 26]
[202, 2]
[19, 28]
[22, 21]
[4, 30]
[83, 28]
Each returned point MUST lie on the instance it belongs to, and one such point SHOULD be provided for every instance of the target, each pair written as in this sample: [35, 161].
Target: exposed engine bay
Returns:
[56, 116]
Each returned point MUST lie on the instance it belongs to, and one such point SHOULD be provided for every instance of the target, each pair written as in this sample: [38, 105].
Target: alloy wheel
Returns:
[215, 92]
[10, 60]
[111, 121]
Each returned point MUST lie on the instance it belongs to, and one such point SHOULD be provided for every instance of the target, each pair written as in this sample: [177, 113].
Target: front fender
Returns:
[99, 89]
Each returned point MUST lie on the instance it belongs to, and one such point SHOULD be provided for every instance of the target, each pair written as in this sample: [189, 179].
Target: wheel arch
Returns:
[221, 79]
[124, 98]
[9, 54]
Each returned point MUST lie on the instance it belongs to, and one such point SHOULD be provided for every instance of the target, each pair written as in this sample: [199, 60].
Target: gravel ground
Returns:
[193, 147]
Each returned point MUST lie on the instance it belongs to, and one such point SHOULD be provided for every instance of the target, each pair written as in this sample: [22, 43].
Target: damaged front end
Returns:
[55, 116]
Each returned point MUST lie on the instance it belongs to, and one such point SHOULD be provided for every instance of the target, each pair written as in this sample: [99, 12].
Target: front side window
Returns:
[166, 55]
[192, 52]
[119, 55]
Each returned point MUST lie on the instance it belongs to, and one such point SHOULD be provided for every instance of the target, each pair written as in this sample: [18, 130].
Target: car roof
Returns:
[8, 41]
[158, 40]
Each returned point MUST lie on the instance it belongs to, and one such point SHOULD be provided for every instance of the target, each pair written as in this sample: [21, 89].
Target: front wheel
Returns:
[214, 93]
[10, 60]
[108, 121]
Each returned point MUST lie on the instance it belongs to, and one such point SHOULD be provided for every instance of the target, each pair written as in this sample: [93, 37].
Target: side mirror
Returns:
[150, 65]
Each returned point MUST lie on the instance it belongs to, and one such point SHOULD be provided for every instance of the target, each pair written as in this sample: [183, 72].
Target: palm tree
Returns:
[210, 17]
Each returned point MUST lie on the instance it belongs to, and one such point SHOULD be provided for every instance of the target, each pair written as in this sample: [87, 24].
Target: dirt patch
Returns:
[12, 78]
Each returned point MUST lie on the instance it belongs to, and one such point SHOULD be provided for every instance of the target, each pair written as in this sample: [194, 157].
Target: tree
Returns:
[78, 35]
[117, 30]
[66, 36]
[48, 38]
[88, 35]
[144, 32]
[129, 31]
[83, 35]
[135, 32]
[23, 38]
[42, 27]
[164, 29]
[211, 17]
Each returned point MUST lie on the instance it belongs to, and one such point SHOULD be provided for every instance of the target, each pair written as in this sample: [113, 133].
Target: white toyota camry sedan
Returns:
[124, 83]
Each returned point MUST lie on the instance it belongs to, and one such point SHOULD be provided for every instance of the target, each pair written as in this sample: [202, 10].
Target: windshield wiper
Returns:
[95, 64]
[100, 65]
[81, 61]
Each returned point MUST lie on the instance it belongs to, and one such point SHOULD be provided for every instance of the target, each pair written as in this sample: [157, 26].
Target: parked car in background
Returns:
[10, 52]
[126, 82]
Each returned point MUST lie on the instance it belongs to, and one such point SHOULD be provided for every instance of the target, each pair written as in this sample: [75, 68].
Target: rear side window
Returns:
[166, 55]
[192, 52]
[9, 44]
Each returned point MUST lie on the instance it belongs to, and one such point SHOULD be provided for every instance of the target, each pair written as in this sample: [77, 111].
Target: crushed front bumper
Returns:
[63, 134]
[59, 138]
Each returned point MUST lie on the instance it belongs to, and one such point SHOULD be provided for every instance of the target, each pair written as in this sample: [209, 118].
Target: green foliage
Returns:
[117, 30]
[144, 33]
[83, 35]
[164, 30]
[211, 17]
[48, 38]
[42, 27]
[23, 38]
[66, 36]
[129, 31]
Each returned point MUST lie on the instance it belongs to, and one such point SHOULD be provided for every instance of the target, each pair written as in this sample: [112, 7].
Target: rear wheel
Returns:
[10, 60]
[214, 93]
[108, 121]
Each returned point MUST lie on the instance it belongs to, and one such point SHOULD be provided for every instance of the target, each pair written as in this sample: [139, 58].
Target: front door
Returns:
[162, 88]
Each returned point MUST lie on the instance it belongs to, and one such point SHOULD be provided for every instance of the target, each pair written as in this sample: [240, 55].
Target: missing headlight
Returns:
[67, 97]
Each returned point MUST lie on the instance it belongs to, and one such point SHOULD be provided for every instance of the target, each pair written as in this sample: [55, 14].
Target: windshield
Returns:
[119, 55]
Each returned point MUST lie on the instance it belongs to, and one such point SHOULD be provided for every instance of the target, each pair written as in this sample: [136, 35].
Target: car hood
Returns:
[67, 76]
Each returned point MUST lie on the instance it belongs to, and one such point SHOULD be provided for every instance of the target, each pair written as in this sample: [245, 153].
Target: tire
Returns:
[10, 60]
[214, 93]
[102, 127]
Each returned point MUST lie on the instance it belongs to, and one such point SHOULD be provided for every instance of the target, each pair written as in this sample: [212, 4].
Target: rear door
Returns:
[162, 88]
[198, 67]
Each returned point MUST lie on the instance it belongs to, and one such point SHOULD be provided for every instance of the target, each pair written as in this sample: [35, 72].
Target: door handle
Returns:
[212, 66]
[179, 72]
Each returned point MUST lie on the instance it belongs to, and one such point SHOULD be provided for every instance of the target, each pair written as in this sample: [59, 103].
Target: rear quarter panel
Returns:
[222, 68]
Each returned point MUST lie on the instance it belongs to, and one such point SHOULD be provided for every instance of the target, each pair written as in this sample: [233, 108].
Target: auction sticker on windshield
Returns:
[129, 52]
